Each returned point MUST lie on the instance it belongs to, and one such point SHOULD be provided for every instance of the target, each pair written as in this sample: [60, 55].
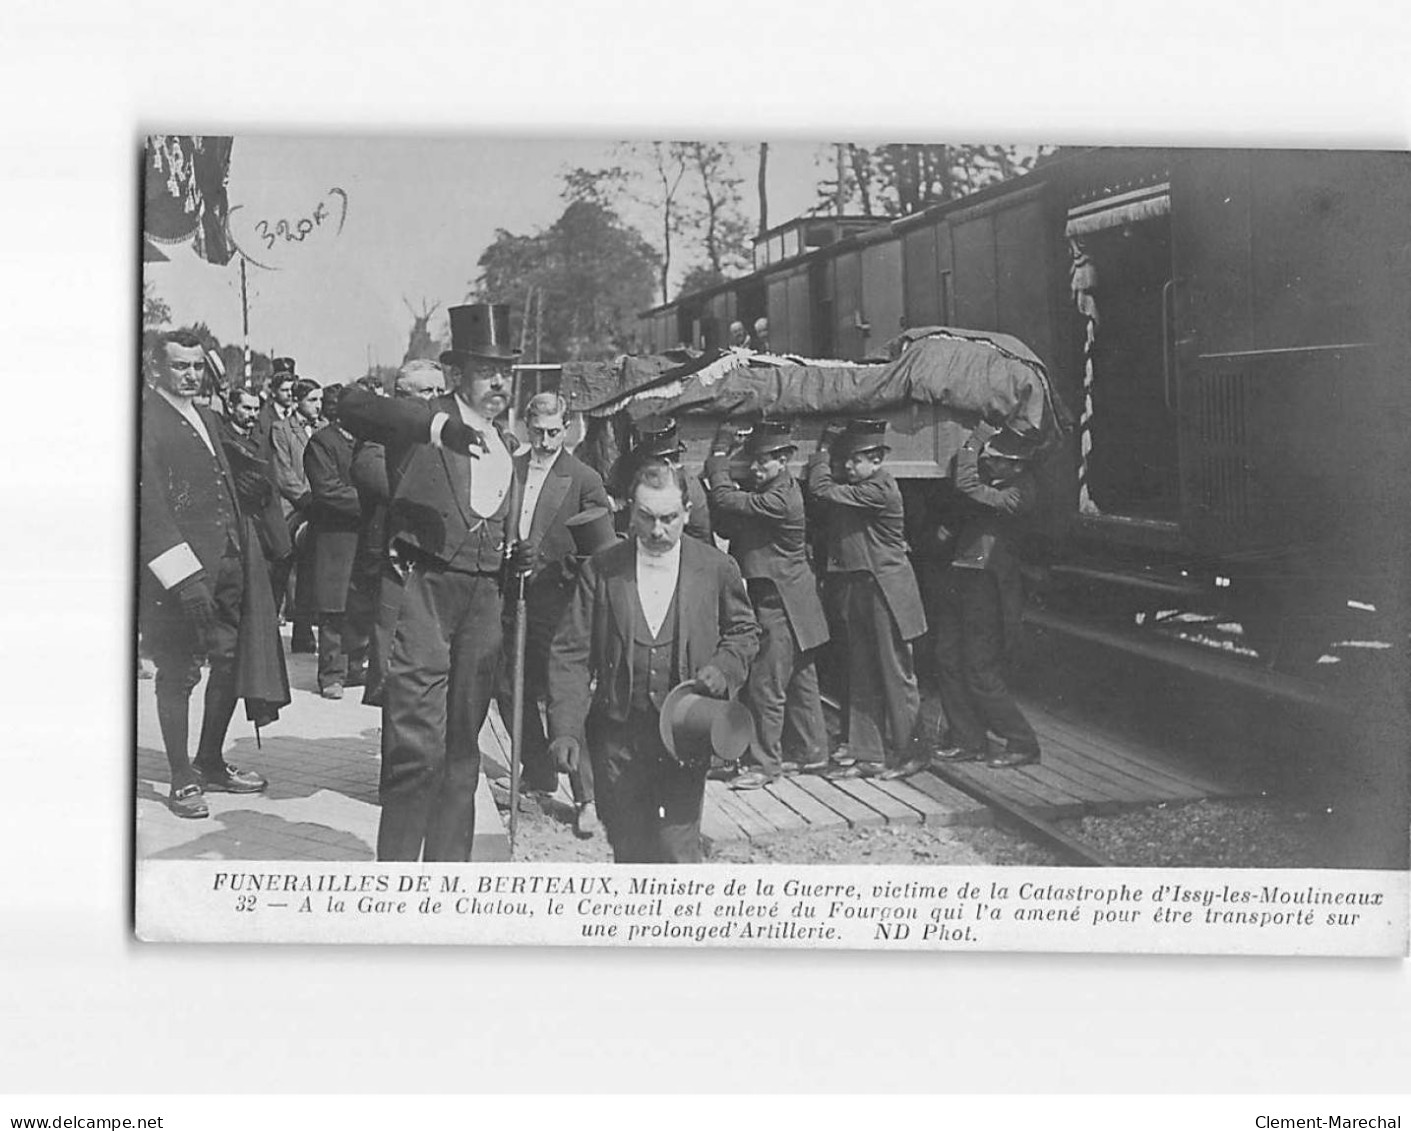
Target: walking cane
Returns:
[517, 580]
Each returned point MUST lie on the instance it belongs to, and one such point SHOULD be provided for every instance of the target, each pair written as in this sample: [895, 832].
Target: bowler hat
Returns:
[864, 436]
[694, 727]
[769, 436]
[482, 330]
[592, 530]
[657, 436]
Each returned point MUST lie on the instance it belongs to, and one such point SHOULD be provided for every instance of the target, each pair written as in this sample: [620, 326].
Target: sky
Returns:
[419, 212]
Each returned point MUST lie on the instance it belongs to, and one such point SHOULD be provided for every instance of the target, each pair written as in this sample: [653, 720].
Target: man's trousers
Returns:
[782, 691]
[883, 696]
[443, 634]
[650, 807]
[970, 661]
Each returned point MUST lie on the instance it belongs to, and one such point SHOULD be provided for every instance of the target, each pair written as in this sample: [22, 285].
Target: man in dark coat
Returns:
[880, 603]
[556, 487]
[248, 455]
[647, 613]
[765, 525]
[439, 631]
[193, 543]
[288, 439]
[335, 513]
[280, 401]
[980, 598]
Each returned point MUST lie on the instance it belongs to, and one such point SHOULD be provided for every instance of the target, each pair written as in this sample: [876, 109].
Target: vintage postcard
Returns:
[772, 544]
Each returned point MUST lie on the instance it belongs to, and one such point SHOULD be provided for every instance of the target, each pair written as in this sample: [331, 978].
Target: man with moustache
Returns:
[450, 478]
[765, 525]
[647, 614]
[288, 439]
[192, 584]
[557, 486]
[248, 455]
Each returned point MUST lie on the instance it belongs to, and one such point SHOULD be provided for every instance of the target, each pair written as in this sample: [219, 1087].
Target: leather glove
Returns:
[570, 566]
[726, 437]
[712, 681]
[460, 437]
[986, 428]
[522, 559]
[197, 604]
[831, 431]
[566, 753]
[715, 463]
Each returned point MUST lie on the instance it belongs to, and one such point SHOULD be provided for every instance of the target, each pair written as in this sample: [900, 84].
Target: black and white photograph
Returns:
[776, 503]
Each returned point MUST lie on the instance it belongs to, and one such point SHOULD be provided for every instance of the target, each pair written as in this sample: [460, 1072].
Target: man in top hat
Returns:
[765, 525]
[450, 478]
[192, 542]
[659, 438]
[647, 614]
[557, 487]
[880, 603]
[979, 597]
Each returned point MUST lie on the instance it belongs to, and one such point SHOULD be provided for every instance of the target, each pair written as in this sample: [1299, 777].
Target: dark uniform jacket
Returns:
[428, 514]
[715, 625]
[867, 532]
[334, 515]
[189, 510]
[250, 454]
[767, 537]
[369, 474]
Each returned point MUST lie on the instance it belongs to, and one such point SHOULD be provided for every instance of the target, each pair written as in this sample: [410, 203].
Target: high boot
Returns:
[215, 719]
[172, 711]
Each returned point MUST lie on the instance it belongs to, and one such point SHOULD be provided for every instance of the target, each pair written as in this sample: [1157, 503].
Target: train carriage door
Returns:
[1119, 240]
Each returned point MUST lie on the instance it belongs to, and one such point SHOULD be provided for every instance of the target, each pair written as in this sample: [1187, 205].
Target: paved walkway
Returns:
[321, 759]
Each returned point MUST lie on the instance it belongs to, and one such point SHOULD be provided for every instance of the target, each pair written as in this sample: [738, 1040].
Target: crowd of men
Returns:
[403, 531]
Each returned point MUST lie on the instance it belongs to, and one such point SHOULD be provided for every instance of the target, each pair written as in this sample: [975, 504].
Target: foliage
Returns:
[897, 180]
[155, 311]
[589, 272]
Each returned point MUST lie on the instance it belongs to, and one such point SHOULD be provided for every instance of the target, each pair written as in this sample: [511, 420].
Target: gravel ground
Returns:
[1209, 834]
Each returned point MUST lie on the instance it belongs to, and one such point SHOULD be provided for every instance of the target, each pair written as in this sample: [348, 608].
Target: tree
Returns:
[590, 272]
[897, 180]
[714, 207]
[762, 187]
[155, 311]
[421, 344]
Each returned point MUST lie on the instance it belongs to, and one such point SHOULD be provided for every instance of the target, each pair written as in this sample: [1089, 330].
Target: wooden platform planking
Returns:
[848, 807]
[1008, 784]
[962, 809]
[892, 810]
[716, 826]
[751, 824]
[926, 806]
[784, 820]
[1070, 766]
[818, 815]
[1119, 777]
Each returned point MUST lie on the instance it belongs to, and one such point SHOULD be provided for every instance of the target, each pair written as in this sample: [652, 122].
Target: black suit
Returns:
[439, 631]
[335, 514]
[570, 488]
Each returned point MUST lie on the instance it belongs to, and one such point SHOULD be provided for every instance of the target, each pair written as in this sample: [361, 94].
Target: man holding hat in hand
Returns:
[647, 614]
[881, 604]
[765, 525]
[450, 479]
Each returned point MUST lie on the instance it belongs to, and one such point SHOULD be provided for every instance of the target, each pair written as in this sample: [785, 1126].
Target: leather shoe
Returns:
[585, 821]
[1012, 758]
[753, 779]
[949, 754]
[870, 769]
[187, 801]
[905, 770]
[332, 691]
[225, 778]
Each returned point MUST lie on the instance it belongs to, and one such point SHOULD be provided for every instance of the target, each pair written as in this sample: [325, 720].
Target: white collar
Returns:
[669, 561]
[539, 464]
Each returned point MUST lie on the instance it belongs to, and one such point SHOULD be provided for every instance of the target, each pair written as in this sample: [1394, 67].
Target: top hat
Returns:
[769, 436]
[864, 436]
[592, 531]
[282, 365]
[657, 436]
[482, 330]
[696, 728]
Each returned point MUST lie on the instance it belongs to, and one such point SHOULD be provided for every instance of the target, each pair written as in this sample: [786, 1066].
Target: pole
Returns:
[517, 687]
[245, 324]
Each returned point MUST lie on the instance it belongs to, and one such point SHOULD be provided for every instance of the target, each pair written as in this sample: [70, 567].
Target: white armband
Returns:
[438, 422]
[175, 565]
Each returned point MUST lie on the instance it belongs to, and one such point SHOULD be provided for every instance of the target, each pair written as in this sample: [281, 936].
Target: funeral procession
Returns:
[772, 502]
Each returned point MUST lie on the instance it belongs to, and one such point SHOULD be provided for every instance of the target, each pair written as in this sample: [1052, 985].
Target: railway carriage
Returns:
[1230, 330]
